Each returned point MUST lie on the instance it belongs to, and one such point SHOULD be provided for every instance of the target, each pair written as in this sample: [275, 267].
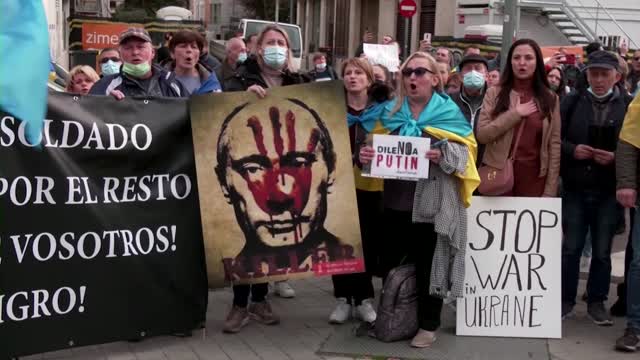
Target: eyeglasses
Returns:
[419, 71]
[105, 60]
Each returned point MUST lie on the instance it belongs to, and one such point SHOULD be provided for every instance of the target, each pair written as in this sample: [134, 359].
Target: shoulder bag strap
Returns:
[515, 146]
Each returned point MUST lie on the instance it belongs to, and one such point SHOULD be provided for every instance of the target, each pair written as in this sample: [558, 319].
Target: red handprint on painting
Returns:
[276, 165]
[280, 183]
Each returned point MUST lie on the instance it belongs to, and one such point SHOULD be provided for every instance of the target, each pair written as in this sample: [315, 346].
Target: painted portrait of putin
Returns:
[276, 165]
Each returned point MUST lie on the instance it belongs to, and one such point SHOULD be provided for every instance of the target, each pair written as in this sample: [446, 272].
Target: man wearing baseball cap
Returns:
[138, 77]
[474, 71]
[591, 123]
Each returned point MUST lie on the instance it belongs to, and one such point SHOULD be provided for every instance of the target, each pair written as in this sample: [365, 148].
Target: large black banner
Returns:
[100, 233]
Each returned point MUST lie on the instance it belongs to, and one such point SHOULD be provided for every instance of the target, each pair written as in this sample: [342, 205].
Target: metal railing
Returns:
[572, 12]
[582, 25]
[599, 6]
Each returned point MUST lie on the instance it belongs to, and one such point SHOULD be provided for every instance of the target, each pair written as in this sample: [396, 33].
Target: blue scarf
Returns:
[367, 119]
[441, 113]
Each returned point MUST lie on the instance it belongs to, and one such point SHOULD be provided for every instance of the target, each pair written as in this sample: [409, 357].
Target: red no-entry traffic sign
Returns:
[407, 8]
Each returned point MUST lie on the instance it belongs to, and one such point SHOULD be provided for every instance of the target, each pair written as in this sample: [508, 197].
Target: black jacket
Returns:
[162, 84]
[471, 116]
[577, 113]
[248, 74]
[328, 73]
[634, 77]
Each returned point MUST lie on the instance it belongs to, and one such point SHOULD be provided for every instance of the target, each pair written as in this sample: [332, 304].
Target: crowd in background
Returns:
[556, 125]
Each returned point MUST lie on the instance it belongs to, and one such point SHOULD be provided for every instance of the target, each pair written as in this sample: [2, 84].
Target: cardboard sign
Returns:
[512, 268]
[386, 55]
[400, 157]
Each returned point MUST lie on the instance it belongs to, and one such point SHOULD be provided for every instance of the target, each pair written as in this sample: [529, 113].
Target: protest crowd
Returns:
[537, 128]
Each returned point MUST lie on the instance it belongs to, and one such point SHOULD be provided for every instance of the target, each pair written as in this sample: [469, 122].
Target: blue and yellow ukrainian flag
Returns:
[631, 127]
[24, 62]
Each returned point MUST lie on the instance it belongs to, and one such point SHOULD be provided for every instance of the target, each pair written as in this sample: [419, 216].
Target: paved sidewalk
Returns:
[304, 330]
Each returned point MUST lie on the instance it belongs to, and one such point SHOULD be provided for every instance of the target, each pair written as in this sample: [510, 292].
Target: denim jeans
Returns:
[633, 278]
[595, 213]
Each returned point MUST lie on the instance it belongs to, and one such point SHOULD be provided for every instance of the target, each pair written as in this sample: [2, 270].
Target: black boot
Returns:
[619, 309]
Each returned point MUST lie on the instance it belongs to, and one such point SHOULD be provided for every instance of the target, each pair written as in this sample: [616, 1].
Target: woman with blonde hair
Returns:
[270, 67]
[422, 109]
[82, 78]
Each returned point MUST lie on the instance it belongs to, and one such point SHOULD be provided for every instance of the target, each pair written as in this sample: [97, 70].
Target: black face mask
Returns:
[379, 91]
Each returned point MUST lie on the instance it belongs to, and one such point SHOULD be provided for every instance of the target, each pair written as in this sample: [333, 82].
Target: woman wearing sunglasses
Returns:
[421, 109]
[520, 124]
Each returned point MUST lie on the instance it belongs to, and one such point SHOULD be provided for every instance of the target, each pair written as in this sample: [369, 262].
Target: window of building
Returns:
[610, 41]
[427, 17]
[401, 25]
[342, 29]
[201, 14]
[87, 6]
[314, 40]
[216, 14]
[331, 20]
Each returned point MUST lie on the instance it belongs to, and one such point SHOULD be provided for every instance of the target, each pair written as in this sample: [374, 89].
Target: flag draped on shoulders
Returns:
[370, 117]
[370, 121]
[631, 127]
[441, 119]
[24, 63]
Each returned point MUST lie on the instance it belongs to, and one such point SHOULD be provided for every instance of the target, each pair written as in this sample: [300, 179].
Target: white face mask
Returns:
[600, 96]
[275, 56]
[321, 66]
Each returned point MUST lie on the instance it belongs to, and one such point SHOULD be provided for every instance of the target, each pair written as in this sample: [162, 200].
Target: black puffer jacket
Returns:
[248, 74]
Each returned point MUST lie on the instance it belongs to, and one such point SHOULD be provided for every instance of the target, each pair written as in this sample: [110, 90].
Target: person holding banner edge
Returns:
[270, 67]
[423, 110]
[137, 76]
[185, 48]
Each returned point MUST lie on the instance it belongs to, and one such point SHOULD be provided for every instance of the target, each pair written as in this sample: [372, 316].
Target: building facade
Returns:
[338, 26]
[220, 17]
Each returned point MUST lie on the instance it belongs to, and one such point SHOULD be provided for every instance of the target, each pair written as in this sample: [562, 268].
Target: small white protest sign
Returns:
[386, 55]
[400, 157]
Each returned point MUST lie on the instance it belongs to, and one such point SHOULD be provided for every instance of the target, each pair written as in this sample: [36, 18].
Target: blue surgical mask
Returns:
[598, 96]
[473, 80]
[242, 57]
[110, 68]
[275, 56]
